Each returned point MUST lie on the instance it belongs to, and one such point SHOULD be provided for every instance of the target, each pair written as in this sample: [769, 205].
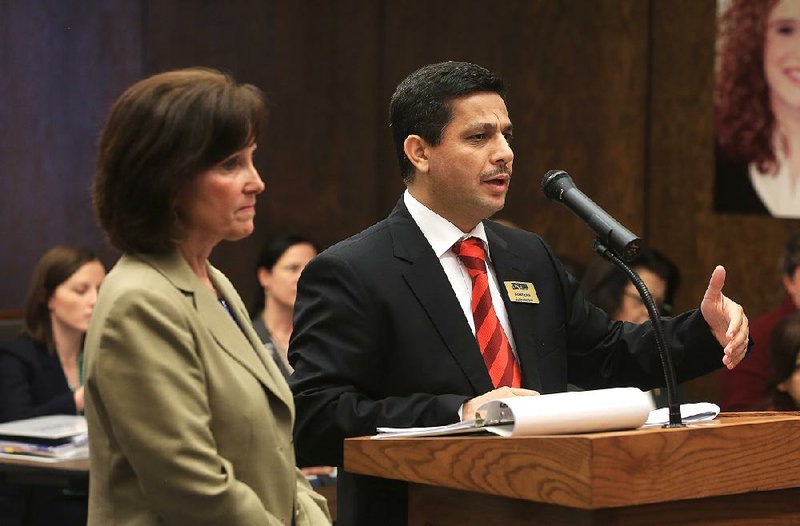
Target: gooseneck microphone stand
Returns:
[613, 242]
[658, 331]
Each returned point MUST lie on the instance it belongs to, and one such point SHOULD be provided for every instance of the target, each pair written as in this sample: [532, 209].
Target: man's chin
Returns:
[496, 204]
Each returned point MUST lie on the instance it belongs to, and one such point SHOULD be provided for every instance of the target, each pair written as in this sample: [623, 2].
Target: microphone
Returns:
[557, 185]
[617, 244]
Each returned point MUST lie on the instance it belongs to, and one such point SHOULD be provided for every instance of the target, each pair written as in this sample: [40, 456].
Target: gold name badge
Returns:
[521, 292]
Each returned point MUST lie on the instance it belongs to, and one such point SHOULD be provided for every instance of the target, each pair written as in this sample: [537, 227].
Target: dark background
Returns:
[617, 92]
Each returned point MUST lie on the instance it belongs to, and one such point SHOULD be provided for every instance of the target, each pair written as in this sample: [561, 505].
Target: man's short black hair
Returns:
[421, 103]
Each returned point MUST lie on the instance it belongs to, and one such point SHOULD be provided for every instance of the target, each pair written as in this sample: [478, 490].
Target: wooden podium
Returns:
[741, 468]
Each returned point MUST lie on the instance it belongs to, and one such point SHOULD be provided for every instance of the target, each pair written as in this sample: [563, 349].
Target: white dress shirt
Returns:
[442, 235]
[779, 192]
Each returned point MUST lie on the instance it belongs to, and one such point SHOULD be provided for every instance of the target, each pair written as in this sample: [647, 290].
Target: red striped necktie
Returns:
[492, 340]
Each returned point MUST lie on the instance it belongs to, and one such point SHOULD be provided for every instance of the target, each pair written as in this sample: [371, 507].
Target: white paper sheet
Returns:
[689, 413]
[572, 412]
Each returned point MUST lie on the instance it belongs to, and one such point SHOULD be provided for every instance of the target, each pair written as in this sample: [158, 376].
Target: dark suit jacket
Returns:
[32, 382]
[380, 340]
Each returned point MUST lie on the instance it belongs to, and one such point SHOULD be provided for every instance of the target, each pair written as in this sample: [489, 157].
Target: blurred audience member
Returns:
[745, 388]
[279, 267]
[785, 357]
[41, 371]
[610, 289]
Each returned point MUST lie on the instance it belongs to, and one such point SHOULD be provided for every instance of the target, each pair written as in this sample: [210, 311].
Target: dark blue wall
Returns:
[62, 63]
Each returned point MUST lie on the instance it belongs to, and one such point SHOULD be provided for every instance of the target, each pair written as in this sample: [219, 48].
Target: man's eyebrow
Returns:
[487, 126]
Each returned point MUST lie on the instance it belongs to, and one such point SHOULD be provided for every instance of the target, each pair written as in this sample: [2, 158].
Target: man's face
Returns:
[469, 171]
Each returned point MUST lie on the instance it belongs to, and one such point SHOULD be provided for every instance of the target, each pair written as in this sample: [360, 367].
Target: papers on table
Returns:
[46, 438]
[572, 412]
[689, 413]
[561, 413]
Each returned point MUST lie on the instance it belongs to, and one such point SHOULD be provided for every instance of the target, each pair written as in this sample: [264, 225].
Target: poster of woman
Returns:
[757, 108]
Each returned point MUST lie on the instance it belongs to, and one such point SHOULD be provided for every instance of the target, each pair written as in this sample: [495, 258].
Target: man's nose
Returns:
[504, 154]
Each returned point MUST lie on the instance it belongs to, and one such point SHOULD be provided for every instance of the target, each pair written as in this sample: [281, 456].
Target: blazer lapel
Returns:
[510, 267]
[228, 335]
[431, 287]
[274, 379]
[219, 323]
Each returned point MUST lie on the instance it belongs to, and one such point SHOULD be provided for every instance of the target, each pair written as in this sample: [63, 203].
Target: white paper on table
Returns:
[49, 427]
[572, 412]
[558, 413]
[689, 413]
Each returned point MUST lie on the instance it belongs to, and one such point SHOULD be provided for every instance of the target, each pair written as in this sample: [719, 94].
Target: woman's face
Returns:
[632, 308]
[72, 302]
[280, 283]
[782, 55]
[220, 203]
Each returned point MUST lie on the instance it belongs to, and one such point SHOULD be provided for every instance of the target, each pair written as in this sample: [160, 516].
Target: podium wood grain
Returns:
[736, 454]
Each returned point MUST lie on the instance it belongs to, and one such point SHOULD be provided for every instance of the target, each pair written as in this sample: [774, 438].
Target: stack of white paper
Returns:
[561, 413]
[46, 438]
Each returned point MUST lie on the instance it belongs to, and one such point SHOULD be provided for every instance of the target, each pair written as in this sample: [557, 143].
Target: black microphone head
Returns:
[555, 182]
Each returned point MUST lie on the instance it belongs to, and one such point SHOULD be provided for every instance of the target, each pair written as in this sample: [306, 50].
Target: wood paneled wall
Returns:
[61, 66]
[617, 92]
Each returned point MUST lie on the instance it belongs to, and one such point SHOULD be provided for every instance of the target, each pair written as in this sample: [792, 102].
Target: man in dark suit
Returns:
[413, 322]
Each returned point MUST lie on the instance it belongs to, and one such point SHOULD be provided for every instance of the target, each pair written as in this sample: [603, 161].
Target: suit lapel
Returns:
[225, 331]
[510, 267]
[245, 339]
[430, 285]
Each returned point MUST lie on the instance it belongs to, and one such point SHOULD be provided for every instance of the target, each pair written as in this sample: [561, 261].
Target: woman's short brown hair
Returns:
[161, 133]
[54, 268]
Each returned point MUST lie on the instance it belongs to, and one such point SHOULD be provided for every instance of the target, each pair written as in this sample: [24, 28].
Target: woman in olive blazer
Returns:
[190, 421]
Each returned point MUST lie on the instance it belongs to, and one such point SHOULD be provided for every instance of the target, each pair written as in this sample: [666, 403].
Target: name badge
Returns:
[521, 292]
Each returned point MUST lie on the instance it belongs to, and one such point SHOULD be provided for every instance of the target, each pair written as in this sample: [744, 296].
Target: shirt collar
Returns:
[440, 233]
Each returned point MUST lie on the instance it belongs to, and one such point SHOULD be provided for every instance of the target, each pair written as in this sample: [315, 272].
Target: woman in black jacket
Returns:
[41, 371]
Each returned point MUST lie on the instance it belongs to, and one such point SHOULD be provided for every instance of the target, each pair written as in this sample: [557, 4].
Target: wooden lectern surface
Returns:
[735, 453]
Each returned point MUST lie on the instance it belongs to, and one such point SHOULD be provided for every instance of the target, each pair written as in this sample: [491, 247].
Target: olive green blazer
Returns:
[190, 421]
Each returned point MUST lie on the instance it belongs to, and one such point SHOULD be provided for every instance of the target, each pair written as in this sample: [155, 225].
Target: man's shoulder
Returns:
[368, 242]
[516, 238]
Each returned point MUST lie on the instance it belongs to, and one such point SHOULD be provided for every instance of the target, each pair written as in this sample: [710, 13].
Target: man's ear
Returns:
[416, 150]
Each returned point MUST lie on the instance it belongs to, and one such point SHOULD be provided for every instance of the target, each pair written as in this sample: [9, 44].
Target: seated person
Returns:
[610, 289]
[40, 371]
[279, 266]
[746, 388]
[785, 356]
